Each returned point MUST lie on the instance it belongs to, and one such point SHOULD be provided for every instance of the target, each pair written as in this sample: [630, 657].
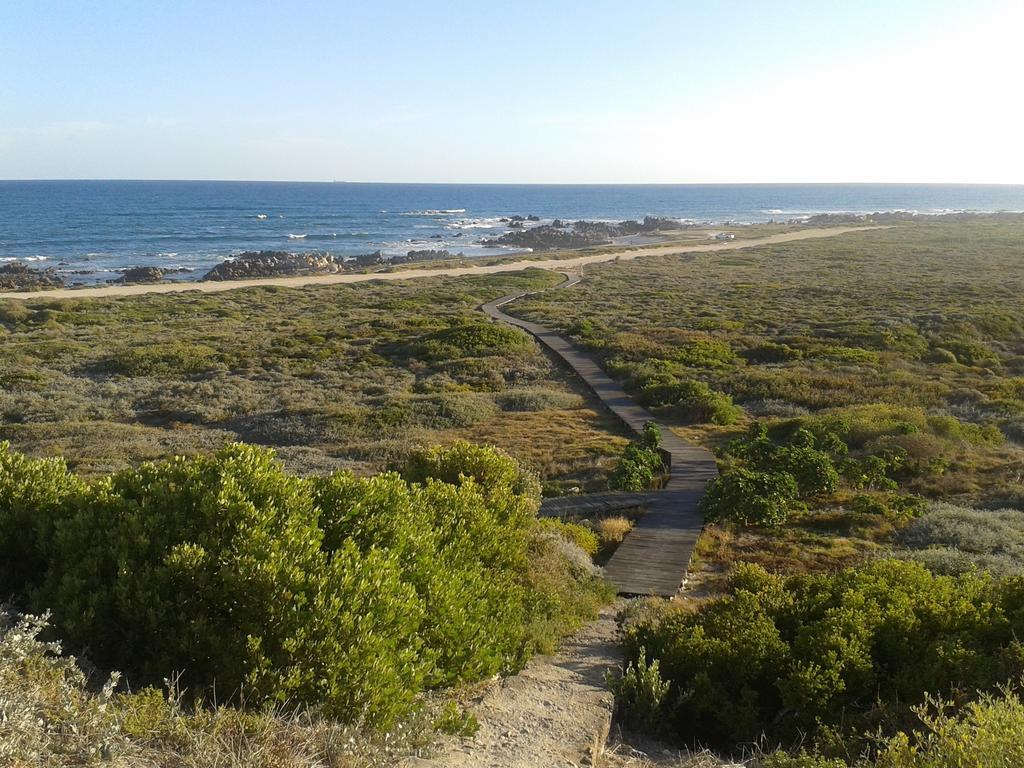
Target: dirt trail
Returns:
[113, 291]
[553, 714]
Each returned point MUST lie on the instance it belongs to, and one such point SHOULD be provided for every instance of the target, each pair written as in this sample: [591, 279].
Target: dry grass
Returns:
[336, 377]
[52, 717]
[612, 530]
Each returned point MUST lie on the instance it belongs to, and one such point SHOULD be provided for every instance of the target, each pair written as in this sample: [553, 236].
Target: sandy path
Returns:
[113, 291]
[554, 714]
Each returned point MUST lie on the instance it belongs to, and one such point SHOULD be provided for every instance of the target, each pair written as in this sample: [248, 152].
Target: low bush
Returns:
[580, 535]
[351, 594]
[53, 715]
[478, 339]
[640, 464]
[822, 660]
[955, 539]
[771, 352]
[750, 497]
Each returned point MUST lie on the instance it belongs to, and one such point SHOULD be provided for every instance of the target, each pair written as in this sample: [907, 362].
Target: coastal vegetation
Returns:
[350, 377]
[860, 570]
[855, 599]
[342, 596]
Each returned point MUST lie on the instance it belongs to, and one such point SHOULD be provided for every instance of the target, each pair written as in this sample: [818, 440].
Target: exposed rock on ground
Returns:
[261, 264]
[257, 264]
[15, 276]
[139, 275]
[560, 235]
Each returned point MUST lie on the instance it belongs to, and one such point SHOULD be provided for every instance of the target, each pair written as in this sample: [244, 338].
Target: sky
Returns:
[660, 91]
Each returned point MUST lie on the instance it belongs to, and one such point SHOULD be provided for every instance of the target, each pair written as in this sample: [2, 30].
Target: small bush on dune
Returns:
[351, 594]
[750, 497]
[821, 660]
[31, 493]
[955, 539]
[54, 716]
[478, 339]
[640, 464]
[580, 535]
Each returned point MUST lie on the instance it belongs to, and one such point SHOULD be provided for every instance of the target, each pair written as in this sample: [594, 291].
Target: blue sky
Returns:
[904, 90]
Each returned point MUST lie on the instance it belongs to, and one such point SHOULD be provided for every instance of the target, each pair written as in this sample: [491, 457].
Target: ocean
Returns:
[91, 229]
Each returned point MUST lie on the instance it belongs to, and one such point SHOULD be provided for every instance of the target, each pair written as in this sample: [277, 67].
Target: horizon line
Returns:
[529, 183]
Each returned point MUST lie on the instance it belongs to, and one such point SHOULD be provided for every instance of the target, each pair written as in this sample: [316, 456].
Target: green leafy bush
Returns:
[32, 492]
[771, 352]
[641, 695]
[477, 339]
[821, 660]
[750, 497]
[580, 535]
[813, 470]
[697, 402]
[640, 464]
[352, 594]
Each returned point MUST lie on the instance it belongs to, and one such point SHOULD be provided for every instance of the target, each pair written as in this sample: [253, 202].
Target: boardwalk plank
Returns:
[654, 558]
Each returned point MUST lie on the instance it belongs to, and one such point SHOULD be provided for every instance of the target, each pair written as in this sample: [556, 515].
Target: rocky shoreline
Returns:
[561, 235]
[524, 232]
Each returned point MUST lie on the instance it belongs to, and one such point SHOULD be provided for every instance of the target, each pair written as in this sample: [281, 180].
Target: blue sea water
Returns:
[91, 229]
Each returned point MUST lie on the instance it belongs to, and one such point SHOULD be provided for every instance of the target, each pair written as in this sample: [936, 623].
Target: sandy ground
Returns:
[113, 291]
[556, 713]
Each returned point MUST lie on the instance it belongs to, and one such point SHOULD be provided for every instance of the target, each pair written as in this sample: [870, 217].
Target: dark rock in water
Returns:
[257, 264]
[550, 237]
[517, 219]
[16, 276]
[531, 217]
[437, 237]
[141, 275]
[579, 234]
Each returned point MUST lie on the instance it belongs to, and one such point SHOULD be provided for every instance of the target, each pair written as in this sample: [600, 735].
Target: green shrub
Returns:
[351, 594]
[771, 352]
[750, 497]
[823, 659]
[891, 505]
[695, 401]
[32, 493]
[813, 470]
[641, 695]
[477, 339]
[162, 360]
[987, 733]
[640, 464]
[580, 535]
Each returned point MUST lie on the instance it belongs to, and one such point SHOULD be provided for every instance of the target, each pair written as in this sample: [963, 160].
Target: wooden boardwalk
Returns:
[654, 558]
[593, 504]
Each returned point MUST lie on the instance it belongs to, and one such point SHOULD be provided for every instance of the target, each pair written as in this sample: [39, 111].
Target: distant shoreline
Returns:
[611, 254]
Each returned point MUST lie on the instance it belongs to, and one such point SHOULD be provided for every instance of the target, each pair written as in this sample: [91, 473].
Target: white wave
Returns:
[261, 216]
[37, 258]
[484, 223]
[433, 212]
[297, 237]
[9, 258]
